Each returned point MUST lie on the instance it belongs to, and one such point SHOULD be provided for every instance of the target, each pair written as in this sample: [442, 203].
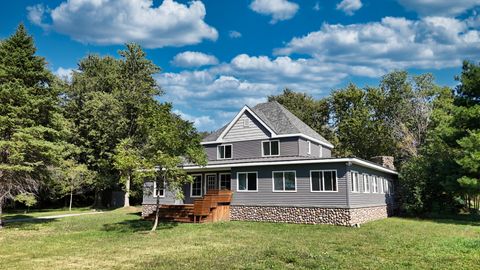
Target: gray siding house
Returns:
[281, 170]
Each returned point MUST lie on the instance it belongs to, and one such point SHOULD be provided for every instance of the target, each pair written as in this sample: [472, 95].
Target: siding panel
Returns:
[254, 131]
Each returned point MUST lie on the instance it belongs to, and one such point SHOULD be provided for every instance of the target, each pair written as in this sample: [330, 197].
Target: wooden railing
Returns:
[215, 204]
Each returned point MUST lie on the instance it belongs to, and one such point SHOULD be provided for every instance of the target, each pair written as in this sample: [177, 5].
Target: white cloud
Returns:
[108, 22]
[204, 122]
[316, 7]
[234, 34]
[349, 6]
[280, 10]
[194, 59]
[392, 43]
[439, 7]
[64, 73]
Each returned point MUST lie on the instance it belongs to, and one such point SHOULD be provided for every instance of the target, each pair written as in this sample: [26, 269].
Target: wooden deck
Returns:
[213, 207]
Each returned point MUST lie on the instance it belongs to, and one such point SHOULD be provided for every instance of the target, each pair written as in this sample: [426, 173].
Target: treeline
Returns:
[88, 134]
[433, 132]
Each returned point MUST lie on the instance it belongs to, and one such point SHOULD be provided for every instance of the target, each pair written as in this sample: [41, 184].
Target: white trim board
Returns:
[292, 162]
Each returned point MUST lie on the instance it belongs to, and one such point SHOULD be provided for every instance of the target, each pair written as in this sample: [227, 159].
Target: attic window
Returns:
[271, 148]
[224, 151]
[246, 122]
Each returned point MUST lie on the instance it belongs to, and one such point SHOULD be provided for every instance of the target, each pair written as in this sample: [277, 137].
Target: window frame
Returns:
[247, 190]
[246, 122]
[206, 180]
[323, 179]
[351, 182]
[201, 186]
[366, 183]
[155, 189]
[270, 143]
[309, 147]
[220, 180]
[381, 188]
[374, 184]
[223, 145]
[283, 176]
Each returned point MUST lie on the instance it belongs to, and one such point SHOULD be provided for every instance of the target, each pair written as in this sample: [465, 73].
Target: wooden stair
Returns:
[174, 213]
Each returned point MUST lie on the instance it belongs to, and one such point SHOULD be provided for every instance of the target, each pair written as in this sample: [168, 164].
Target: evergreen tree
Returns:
[31, 124]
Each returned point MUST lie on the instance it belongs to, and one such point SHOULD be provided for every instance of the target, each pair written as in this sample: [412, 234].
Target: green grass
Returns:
[119, 240]
[20, 214]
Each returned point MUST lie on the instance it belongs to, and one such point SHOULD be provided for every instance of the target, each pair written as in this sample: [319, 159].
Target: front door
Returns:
[211, 181]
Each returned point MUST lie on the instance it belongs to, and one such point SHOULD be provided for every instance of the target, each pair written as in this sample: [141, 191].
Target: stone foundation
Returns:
[147, 209]
[308, 215]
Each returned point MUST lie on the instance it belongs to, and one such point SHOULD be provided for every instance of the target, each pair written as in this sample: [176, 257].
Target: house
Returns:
[278, 169]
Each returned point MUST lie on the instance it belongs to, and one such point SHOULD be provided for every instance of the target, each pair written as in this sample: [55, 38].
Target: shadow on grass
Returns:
[26, 223]
[137, 225]
[458, 219]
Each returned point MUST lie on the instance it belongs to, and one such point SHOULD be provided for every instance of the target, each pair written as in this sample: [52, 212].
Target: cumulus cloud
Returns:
[439, 7]
[349, 6]
[234, 34]
[64, 73]
[203, 122]
[432, 42]
[279, 10]
[118, 21]
[194, 59]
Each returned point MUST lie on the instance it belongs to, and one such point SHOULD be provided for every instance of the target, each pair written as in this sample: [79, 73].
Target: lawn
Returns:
[119, 240]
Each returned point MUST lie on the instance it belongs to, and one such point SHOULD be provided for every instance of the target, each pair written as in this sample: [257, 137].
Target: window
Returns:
[386, 186]
[354, 182]
[247, 181]
[284, 181]
[224, 151]
[374, 184]
[309, 147]
[246, 122]
[161, 190]
[321, 181]
[196, 186]
[211, 180]
[225, 181]
[366, 183]
[380, 185]
[271, 148]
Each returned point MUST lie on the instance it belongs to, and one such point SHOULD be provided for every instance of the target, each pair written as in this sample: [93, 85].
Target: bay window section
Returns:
[354, 182]
[247, 181]
[284, 181]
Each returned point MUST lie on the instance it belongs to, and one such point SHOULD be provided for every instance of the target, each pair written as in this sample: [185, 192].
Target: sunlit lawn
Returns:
[21, 214]
[119, 240]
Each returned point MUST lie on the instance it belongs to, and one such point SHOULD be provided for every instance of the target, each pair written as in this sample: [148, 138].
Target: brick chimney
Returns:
[384, 161]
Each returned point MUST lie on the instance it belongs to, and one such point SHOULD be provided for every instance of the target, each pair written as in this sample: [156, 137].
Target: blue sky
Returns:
[217, 56]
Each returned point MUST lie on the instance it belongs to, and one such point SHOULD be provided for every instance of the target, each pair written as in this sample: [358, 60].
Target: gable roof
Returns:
[277, 119]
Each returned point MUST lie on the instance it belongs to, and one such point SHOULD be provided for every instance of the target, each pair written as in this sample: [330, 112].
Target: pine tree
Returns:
[30, 118]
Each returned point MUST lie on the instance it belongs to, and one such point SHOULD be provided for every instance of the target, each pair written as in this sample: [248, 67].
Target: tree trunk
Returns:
[98, 199]
[126, 202]
[157, 207]
[71, 199]
[1, 221]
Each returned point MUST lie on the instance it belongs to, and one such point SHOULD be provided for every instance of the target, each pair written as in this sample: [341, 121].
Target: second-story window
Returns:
[271, 148]
[224, 151]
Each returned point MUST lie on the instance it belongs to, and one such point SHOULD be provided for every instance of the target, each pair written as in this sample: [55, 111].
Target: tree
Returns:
[31, 124]
[127, 160]
[71, 177]
[28, 199]
[169, 142]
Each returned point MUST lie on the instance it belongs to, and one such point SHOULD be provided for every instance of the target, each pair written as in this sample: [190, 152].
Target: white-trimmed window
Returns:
[196, 186]
[271, 148]
[323, 181]
[380, 185]
[354, 182]
[366, 183]
[309, 144]
[374, 184]
[386, 185]
[284, 181]
[224, 151]
[247, 181]
[161, 190]
[225, 181]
